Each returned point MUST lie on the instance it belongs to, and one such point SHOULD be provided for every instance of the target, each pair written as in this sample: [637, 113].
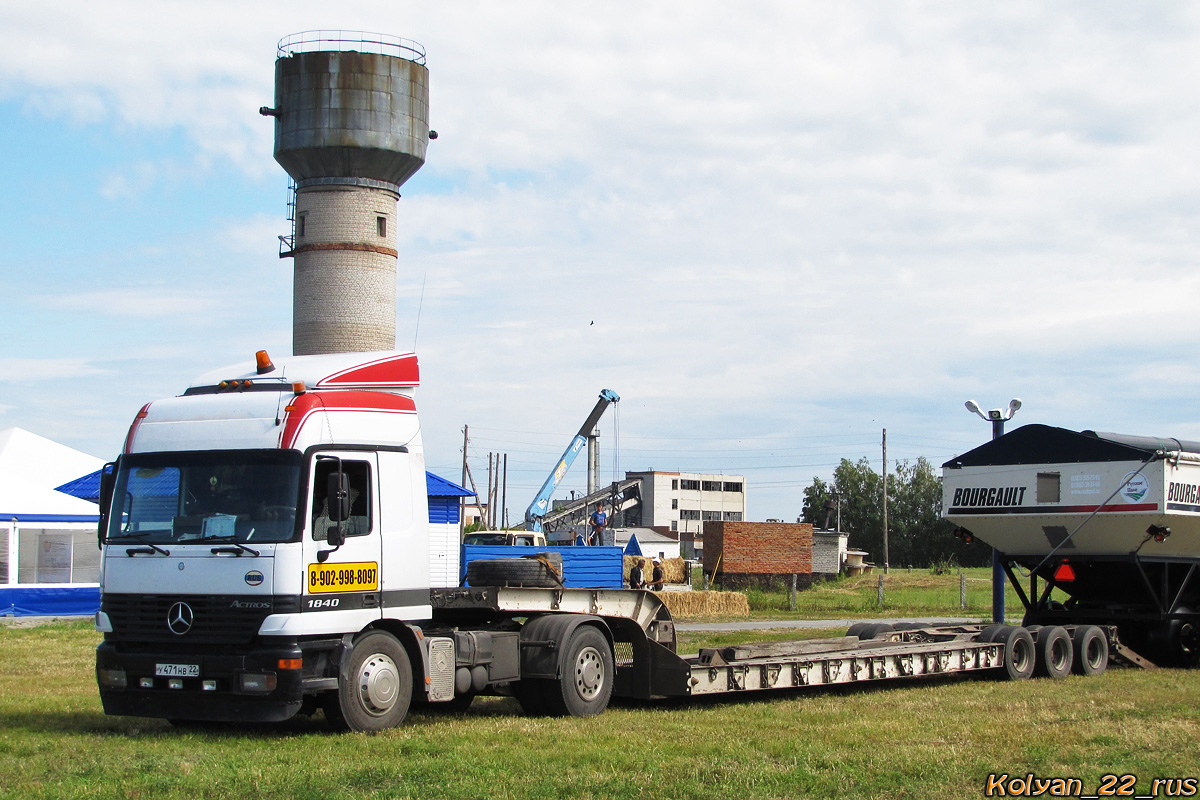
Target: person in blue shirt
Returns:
[599, 521]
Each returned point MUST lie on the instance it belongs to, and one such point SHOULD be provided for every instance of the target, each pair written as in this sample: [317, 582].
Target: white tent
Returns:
[49, 563]
[30, 467]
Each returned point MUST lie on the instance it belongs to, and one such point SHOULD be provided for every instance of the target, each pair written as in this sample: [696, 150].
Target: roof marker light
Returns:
[263, 362]
[299, 388]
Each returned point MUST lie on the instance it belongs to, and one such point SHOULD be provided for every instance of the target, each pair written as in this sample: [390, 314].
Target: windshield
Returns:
[485, 538]
[190, 497]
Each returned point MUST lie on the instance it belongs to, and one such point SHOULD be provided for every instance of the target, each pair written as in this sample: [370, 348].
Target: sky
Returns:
[775, 229]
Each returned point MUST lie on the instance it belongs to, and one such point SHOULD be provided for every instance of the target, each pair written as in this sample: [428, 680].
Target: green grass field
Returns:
[906, 593]
[921, 739]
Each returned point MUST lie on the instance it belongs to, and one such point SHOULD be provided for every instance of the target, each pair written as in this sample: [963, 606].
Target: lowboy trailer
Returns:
[266, 552]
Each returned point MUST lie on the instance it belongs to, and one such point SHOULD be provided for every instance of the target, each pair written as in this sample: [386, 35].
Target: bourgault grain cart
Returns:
[1112, 522]
[266, 552]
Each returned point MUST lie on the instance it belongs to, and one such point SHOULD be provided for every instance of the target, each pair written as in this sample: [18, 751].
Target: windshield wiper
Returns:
[237, 547]
[149, 548]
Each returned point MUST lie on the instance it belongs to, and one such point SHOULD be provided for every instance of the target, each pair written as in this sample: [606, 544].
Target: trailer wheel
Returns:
[988, 634]
[1176, 642]
[375, 687]
[1054, 651]
[1019, 658]
[525, 572]
[1091, 650]
[586, 683]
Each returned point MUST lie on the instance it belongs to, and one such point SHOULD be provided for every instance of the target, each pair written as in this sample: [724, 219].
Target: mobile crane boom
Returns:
[541, 502]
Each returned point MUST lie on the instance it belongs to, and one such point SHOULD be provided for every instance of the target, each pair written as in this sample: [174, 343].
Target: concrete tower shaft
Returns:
[351, 126]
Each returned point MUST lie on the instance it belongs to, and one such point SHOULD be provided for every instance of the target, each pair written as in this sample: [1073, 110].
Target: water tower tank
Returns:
[351, 126]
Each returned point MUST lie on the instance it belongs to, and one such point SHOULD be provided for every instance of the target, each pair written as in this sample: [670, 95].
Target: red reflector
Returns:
[1064, 573]
[291, 663]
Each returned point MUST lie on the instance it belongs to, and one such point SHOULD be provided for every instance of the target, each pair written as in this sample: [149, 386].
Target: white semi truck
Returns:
[1105, 526]
[266, 553]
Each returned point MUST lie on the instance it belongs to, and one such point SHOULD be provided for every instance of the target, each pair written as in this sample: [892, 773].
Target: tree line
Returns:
[917, 534]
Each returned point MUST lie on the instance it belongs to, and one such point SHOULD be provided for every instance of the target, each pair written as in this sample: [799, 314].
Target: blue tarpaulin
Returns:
[49, 601]
[583, 567]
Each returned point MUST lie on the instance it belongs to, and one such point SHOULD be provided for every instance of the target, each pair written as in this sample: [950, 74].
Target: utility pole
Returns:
[462, 501]
[491, 506]
[886, 560]
[504, 497]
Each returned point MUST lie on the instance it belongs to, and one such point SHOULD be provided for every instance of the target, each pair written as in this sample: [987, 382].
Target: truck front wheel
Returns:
[374, 687]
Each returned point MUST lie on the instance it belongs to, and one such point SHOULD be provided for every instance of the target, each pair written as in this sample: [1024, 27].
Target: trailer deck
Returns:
[648, 666]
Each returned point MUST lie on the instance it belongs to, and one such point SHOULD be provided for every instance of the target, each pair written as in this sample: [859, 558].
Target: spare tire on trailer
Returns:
[1091, 650]
[868, 630]
[857, 630]
[910, 626]
[529, 572]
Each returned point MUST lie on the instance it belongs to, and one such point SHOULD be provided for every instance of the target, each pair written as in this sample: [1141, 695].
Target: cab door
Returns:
[342, 547]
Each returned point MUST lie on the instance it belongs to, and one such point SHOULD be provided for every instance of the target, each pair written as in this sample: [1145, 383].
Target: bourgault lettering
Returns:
[989, 496]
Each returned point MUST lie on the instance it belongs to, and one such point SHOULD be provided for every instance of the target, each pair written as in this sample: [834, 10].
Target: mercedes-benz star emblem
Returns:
[179, 618]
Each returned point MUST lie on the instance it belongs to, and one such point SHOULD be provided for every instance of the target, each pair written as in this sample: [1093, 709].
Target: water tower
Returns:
[351, 126]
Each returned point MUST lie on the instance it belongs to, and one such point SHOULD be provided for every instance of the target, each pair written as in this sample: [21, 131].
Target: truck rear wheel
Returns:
[1054, 652]
[374, 688]
[586, 683]
[1091, 650]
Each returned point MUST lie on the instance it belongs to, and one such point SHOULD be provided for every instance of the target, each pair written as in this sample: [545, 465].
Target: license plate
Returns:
[177, 670]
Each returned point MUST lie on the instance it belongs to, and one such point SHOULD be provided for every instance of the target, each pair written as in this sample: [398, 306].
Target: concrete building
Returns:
[681, 502]
[829, 553]
[684, 501]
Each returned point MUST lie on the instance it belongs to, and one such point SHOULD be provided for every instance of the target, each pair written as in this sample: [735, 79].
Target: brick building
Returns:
[763, 554]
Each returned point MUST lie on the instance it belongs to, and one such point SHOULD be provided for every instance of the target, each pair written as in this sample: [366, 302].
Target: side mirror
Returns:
[338, 494]
[108, 482]
[335, 536]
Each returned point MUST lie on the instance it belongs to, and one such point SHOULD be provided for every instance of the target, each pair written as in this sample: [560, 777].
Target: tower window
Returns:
[381, 225]
[300, 225]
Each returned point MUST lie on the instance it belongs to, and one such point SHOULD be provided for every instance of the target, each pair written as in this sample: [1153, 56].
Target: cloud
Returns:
[27, 370]
[785, 220]
[134, 302]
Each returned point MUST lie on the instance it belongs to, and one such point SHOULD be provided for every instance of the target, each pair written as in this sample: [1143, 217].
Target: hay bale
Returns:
[674, 569]
[705, 604]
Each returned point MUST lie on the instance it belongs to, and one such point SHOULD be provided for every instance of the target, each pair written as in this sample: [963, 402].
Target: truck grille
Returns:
[226, 619]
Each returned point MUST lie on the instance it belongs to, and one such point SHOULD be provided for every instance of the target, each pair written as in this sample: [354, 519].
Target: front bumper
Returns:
[218, 693]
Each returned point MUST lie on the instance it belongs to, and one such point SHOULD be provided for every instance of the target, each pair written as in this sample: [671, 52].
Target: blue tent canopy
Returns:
[166, 484]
